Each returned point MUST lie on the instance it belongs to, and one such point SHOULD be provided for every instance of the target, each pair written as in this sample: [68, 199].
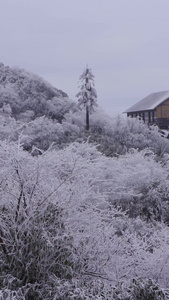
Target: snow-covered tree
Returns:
[87, 96]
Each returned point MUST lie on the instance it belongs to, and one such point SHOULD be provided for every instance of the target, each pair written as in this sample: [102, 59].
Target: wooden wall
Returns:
[162, 110]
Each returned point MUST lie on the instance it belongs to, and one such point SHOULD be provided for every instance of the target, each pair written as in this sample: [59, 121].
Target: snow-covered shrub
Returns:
[57, 108]
[60, 232]
[41, 133]
[146, 290]
[8, 128]
[33, 240]
[117, 135]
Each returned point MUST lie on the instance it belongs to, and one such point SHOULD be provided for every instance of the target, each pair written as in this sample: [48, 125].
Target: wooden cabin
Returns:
[153, 109]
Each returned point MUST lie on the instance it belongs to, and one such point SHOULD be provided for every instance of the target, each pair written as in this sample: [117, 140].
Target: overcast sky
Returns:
[124, 42]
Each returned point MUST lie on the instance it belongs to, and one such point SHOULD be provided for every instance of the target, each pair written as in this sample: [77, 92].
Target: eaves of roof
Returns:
[150, 102]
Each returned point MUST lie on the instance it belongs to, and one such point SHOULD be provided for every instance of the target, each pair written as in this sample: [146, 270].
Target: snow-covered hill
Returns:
[29, 95]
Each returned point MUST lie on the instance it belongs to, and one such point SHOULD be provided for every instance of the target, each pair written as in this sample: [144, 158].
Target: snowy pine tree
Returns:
[87, 96]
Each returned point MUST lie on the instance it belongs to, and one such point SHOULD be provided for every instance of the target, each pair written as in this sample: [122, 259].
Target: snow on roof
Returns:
[150, 102]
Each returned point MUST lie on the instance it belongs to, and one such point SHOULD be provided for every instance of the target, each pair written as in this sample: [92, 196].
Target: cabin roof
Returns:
[150, 102]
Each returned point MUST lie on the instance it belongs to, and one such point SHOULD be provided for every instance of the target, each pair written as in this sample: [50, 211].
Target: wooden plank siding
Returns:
[163, 110]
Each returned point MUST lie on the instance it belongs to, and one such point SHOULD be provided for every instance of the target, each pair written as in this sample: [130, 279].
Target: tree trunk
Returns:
[87, 117]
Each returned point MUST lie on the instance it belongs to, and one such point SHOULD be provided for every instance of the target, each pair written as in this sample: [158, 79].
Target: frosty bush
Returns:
[34, 243]
[117, 135]
[146, 290]
[61, 236]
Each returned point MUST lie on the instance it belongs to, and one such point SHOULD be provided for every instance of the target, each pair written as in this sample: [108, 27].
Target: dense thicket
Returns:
[67, 229]
[87, 219]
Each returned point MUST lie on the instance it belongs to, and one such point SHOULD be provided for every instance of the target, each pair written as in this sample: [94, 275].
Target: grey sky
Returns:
[125, 42]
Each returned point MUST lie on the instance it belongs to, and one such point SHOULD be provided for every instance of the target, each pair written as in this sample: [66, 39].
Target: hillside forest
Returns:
[84, 212]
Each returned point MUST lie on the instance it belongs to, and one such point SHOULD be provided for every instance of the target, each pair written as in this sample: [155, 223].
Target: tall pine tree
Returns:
[87, 96]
